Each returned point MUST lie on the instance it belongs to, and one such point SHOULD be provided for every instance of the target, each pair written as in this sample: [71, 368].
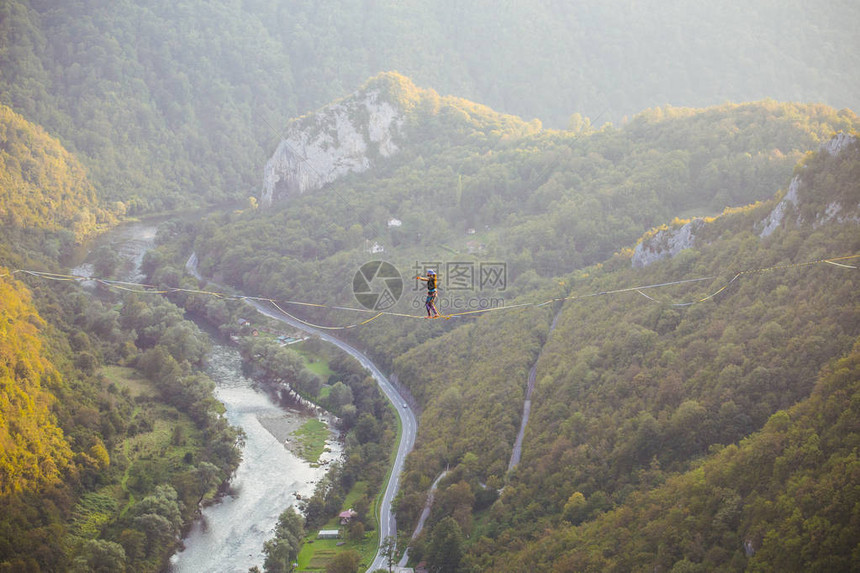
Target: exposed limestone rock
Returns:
[838, 142]
[666, 243]
[775, 217]
[836, 214]
[345, 137]
[833, 212]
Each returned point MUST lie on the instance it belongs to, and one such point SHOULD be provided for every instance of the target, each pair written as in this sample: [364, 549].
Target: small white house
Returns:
[394, 223]
[328, 534]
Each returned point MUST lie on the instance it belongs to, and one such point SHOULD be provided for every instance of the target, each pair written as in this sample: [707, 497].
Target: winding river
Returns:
[408, 422]
[229, 535]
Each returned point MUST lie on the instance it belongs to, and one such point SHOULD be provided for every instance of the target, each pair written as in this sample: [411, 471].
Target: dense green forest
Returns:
[541, 202]
[166, 103]
[44, 186]
[671, 437]
[171, 103]
[35, 451]
[110, 433]
[631, 393]
[783, 499]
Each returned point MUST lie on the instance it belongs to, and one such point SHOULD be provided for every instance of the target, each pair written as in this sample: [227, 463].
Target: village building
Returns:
[328, 534]
[346, 516]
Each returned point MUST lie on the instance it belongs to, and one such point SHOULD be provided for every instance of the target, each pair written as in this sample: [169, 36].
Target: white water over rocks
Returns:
[229, 535]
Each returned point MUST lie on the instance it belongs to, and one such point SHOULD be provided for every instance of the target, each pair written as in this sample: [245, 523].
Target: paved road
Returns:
[387, 523]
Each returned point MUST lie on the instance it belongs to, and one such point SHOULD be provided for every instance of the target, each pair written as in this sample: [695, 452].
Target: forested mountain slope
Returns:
[631, 392]
[91, 386]
[45, 200]
[165, 102]
[783, 499]
[546, 201]
[634, 394]
[110, 434]
[177, 103]
[43, 185]
[35, 454]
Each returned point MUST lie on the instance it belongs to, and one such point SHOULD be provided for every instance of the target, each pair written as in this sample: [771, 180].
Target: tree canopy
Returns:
[171, 103]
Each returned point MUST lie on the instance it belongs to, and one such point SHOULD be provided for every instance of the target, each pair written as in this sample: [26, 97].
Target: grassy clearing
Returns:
[160, 451]
[129, 379]
[324, 392]
[320, 368]
[316, 554]
[367, 548]
[314, 362]
[311, 439]
[163, 445]
[167, 434]
[358, 490]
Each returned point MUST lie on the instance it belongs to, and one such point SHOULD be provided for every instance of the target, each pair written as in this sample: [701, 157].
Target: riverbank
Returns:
[408, 422]
[229, 534]
[406, 416]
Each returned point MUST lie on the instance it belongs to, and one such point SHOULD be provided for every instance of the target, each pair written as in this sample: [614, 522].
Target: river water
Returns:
[129, 241]
[229, 535]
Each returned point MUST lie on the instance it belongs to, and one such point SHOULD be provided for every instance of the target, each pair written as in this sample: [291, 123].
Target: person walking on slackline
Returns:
[430, 302]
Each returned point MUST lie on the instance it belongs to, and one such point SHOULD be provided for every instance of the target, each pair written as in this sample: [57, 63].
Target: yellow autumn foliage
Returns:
[41, 184]
[33, 450]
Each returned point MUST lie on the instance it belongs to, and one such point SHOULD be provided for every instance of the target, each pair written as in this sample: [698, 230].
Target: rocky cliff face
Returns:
[833, 212]
[666, 243]
[839, 142]
[346, 137]
[775, 217]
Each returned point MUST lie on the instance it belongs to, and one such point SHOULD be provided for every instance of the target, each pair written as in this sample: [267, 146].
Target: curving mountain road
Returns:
[387, 523]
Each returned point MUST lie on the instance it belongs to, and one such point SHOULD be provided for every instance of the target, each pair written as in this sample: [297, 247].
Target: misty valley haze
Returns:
[667, 378]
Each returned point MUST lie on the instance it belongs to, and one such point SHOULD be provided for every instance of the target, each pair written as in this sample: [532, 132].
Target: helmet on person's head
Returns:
[431, 272]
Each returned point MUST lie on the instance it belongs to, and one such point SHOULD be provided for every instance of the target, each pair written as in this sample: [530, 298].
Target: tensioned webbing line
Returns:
[144, 288]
